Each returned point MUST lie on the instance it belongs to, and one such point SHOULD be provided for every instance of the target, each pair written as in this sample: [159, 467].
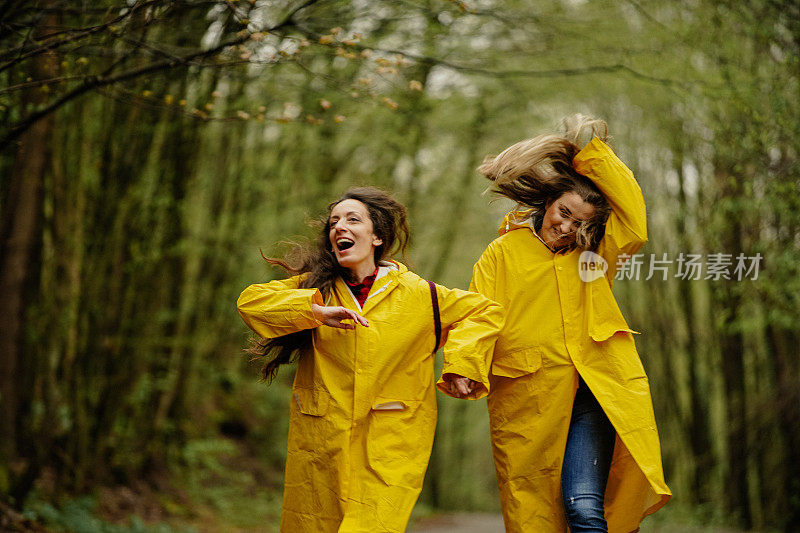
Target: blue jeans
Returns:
[587, 460]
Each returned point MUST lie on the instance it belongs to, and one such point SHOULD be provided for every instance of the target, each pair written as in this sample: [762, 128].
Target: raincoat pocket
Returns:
[619, 354]
[605, 318]
[399, 441]
[314, 402]
[518, 363]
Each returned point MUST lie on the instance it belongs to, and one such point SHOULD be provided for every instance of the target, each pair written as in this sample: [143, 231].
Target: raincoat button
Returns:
[359, 371]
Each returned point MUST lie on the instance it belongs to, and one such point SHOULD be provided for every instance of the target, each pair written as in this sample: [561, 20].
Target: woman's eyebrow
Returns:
[569, 214]
[346, 214]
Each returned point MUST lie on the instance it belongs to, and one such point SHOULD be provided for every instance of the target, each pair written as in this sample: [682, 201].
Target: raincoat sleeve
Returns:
[472, 323]
[279, 307]
[484, 273]
[626, 229]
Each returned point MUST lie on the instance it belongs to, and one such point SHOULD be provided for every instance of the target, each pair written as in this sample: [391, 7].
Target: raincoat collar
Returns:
[385, 267]
[388, 273]
[522, 218]
[517, 218]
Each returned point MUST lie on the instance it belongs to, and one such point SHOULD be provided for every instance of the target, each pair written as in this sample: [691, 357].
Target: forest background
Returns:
[150, 148]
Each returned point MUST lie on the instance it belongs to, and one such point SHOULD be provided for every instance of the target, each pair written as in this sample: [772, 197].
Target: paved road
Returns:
[489, 523]
[460, 523]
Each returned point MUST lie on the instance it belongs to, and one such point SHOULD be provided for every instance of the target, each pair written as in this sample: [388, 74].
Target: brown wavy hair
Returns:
[388, 217]
[536, 172]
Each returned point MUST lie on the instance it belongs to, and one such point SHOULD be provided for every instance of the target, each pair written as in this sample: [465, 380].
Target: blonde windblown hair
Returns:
[536, 172]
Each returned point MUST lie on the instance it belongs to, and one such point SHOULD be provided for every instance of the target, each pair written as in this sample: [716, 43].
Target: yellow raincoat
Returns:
[558, 326]
[363, 411]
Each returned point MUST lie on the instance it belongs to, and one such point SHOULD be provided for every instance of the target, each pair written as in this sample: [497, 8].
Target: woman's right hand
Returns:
[332, 316]
[459, 386]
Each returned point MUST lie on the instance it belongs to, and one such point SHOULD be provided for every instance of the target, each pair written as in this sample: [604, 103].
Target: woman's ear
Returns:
[376, 241]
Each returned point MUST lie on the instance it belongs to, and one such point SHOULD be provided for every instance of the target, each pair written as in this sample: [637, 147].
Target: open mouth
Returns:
[344, 243]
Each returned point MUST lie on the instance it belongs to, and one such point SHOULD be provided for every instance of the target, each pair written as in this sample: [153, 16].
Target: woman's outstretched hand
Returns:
[332, 316]
[460, 387]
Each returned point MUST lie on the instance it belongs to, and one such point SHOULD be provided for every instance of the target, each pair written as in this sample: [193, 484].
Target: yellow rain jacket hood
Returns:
[363, 412]
[561, 321]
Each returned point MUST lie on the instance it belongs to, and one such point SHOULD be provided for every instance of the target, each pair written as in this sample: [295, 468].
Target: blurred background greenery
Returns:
[150, 148]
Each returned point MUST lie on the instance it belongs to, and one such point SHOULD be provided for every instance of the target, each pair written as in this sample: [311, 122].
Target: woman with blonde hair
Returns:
[573, 431]
[363, 330]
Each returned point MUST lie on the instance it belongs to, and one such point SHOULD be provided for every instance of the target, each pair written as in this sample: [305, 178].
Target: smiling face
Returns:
[562, 219]
[352, 239]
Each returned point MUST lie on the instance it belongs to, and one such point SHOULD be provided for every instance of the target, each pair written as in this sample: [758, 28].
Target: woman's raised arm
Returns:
[279, 307]
[626, 229]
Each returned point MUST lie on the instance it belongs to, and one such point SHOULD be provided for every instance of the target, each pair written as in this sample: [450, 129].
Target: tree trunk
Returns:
[732, 349]
[783, 345]
[20, 237]
[698, 419]
[450, 231]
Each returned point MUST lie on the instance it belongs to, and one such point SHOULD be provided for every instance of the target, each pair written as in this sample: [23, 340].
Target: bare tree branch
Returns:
[549, 73]
[647, 15]
[48, 46]
[98, 81]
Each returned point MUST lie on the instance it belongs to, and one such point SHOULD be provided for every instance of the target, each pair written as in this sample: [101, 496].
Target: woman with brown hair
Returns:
[363, 329]
[573, 431]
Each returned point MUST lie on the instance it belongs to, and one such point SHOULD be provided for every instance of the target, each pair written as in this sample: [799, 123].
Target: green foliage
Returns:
[234, 492]
[77, 516]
